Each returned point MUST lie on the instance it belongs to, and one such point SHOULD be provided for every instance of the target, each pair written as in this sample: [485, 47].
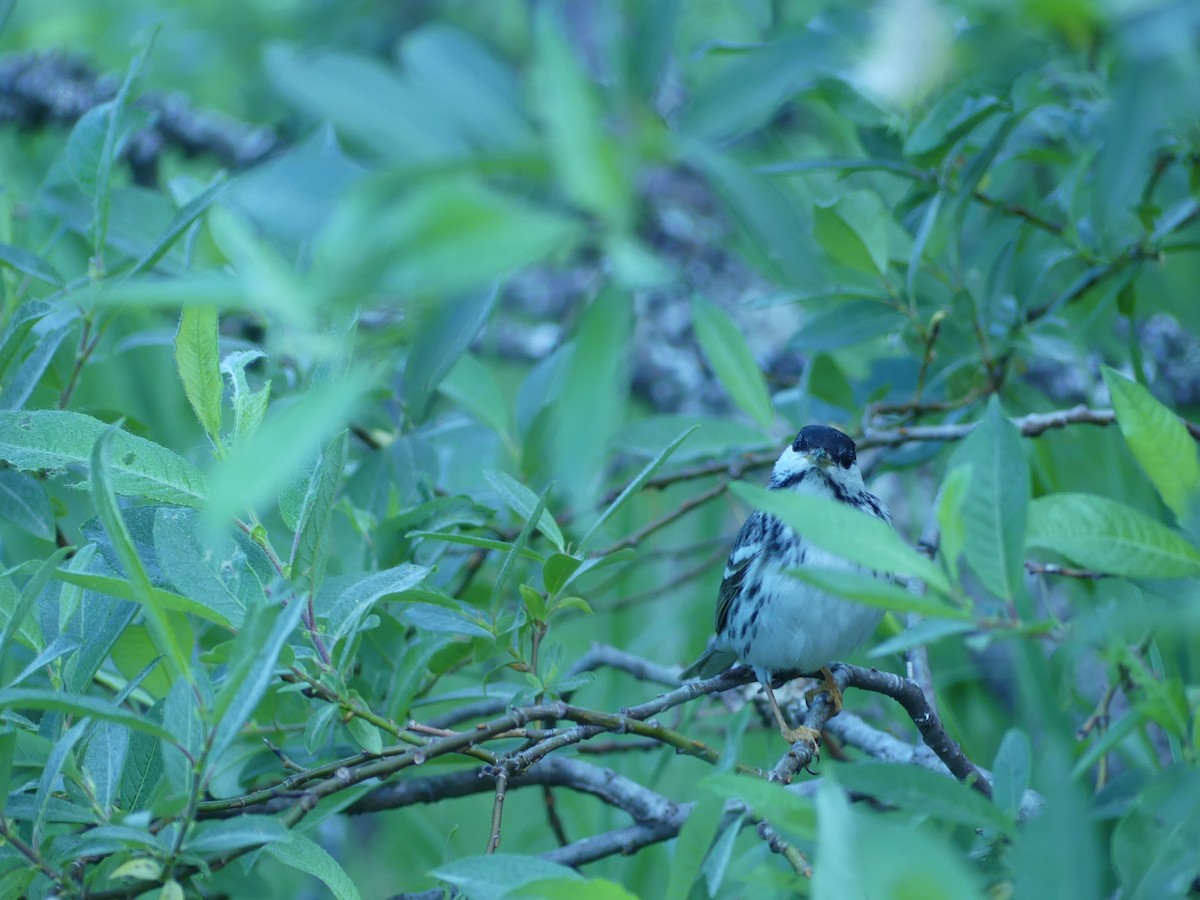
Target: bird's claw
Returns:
[828, 686]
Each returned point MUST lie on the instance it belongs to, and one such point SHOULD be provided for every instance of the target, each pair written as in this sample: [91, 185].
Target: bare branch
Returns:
[493, 843]
[50, 87]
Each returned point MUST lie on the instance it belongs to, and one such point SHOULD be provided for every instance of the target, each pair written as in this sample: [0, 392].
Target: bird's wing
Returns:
[746, 549]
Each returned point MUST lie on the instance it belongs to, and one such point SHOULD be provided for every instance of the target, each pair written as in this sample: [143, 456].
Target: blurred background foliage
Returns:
[503, 257]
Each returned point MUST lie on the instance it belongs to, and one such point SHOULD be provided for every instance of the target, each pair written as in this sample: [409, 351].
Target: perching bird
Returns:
[771, 621]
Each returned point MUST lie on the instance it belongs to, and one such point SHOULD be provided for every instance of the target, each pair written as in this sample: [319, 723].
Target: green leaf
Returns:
[949, 119]
[586, 158]
[845, 532]
[570, 889]
[476, 90]
[222, 837]
[118, 121]
[767, 800]
[846, 324]
[124, 589]
[96, 620]
[492, 877]
[142, 868]
[514, 552]
[105, 499]
[754, 86]
[427, 617]
[950, 518]
[876, 592]
[996, 501]
[56, 440]
[23, 502]
[226, 572]
[1102, 534]
[636, 485]
[20, 322]
[472, 540]
[1057, 852]
[179, 224]
[853, 230]
[251, 669]
[366, 101]
[863, 855]
[435, 239]
[775, 217]
[1153, 846]
[732, 362]
[441, 340]
[471, 384]
[691, 847]
[299, 852]
[19, 611]
[557, 571]
[22, 628]
[80, 705]
[17, 385]
[104, 761]
[199, 362]
[353, 603]
[1010, 772]
[56, 761]
[928, 793]
[928, 221]
[366, 735]
[183, 716]
[263, 463]
[522, 501]
[310, 555]
[249, 407]
[142, 773]
[29, 264]
[1161, 444]
[593, 396]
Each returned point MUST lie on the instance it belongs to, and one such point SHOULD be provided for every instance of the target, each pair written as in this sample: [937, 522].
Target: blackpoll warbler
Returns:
[772, 621]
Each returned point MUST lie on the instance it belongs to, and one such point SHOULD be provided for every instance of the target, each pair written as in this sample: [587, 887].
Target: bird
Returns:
[771, 621]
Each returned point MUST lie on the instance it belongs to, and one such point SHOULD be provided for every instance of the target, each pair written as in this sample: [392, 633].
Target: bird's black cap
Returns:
[837, 445]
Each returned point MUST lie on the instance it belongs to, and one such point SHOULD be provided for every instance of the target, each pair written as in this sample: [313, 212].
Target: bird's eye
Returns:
[848, 461]
[798, 444]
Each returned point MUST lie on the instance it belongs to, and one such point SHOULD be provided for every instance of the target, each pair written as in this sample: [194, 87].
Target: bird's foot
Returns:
[802, 733]
[828, 686]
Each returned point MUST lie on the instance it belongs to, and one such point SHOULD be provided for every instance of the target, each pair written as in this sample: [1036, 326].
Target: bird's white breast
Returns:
[794, 625]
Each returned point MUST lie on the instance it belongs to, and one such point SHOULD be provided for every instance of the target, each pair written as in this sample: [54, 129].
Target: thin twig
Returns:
[666, 519]
[553, 819]
[497, 811]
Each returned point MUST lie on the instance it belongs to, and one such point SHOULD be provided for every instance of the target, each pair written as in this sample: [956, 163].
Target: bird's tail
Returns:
[712, 661]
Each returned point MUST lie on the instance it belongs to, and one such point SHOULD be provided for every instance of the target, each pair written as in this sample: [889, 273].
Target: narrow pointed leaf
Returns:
[1101, 534]
[198, 360]
[732, 362]
[636, 485]
[845, 532]
[110, 514]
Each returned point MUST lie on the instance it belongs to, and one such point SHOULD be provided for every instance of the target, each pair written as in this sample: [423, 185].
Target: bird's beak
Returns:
[818, 457]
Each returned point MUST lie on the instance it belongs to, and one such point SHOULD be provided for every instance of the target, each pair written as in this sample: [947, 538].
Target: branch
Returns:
[39, 88]
[666, 519]
[1029, 426]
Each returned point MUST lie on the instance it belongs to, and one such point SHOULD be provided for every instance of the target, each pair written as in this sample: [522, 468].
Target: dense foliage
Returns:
[282, 514]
